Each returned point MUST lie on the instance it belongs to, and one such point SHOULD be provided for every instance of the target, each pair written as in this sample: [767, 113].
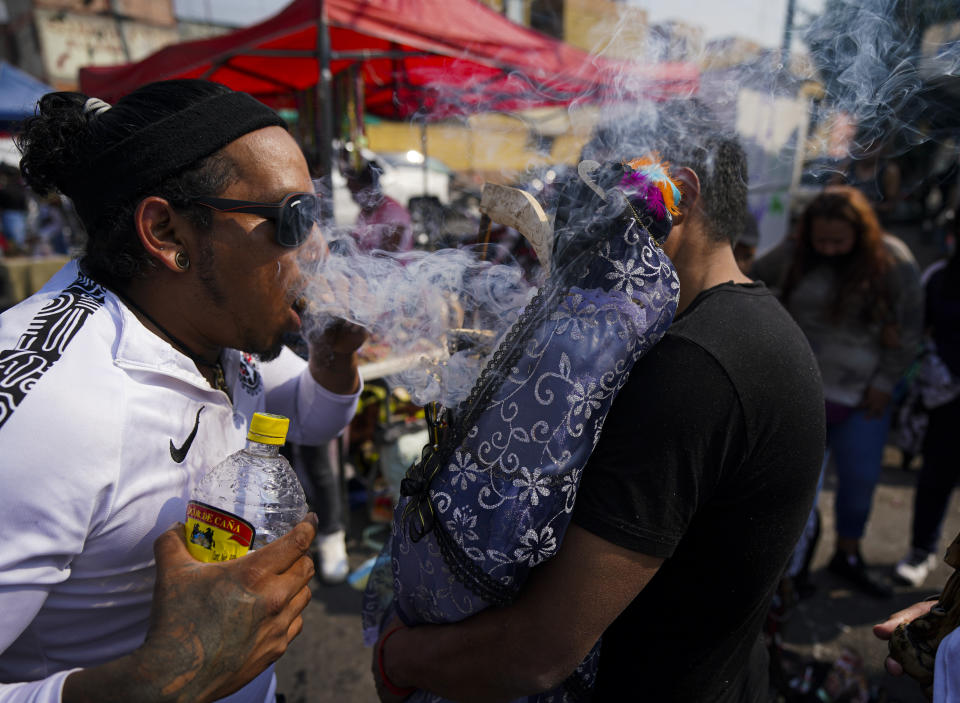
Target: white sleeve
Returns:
[47, 518]
[52, 494]
[47, 527]
[18, 607]
[316, 414]
[48, 690]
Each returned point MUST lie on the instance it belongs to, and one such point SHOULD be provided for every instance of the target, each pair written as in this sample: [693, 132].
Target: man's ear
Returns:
[154, 221]
[689, 184]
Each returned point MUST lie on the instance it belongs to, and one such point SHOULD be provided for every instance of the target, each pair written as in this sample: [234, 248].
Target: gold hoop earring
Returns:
[182, 260]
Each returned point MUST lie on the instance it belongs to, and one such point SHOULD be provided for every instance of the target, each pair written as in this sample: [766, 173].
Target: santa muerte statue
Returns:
[493, 492]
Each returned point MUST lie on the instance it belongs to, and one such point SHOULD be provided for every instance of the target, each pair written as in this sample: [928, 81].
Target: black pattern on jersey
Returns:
[45, 340]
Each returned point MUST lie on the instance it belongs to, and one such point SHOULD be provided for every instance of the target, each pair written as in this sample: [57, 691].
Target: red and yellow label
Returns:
[216, 535]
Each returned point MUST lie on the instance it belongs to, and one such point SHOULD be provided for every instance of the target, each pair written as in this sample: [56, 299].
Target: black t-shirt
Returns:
[708, 458]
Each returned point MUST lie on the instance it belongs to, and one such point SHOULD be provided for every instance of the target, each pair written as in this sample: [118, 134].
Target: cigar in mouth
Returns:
[465, 339]
[311, 312]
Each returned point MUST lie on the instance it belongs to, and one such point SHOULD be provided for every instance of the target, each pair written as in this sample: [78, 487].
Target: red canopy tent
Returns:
[426, 58]
[423, 59]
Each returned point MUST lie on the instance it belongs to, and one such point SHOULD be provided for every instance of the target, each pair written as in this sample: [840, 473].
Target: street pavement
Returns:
[837, 616]
[328, 662]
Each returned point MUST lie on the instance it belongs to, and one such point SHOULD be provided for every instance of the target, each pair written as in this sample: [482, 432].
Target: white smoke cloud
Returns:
[414, 303]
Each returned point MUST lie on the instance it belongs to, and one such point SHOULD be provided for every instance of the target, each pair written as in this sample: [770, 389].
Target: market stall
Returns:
[419, 57]
[403, 59]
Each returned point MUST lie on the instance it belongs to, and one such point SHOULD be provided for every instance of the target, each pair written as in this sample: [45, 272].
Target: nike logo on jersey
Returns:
[178, 454]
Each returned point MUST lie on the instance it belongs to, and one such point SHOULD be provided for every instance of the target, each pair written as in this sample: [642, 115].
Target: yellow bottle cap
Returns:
[268, 429]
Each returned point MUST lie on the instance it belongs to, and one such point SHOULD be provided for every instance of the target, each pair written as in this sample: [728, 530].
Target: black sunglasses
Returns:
[295, 216]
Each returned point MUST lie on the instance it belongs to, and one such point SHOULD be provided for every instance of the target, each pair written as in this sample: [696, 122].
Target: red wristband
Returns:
[392, 687]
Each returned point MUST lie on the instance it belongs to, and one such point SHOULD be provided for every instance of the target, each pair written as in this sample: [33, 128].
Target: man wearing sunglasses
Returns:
[295, 217]
[134, 371]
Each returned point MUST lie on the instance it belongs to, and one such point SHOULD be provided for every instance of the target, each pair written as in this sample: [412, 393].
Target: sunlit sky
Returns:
[760, 20]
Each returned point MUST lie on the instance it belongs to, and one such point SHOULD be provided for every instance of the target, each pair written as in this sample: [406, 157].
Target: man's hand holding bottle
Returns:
[213, 626]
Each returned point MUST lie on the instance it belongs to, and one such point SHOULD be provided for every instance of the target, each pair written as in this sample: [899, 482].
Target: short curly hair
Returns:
[686, 133]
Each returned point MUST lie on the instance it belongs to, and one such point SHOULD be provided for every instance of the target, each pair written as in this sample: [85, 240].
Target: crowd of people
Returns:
[884, 334]
[139, 365]
[31, 225]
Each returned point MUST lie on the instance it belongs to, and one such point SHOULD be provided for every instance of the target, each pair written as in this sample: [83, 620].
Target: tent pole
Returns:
[324, 113]
[423, 150]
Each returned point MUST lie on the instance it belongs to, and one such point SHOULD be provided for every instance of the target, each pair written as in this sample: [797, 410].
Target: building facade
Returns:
[52, 39]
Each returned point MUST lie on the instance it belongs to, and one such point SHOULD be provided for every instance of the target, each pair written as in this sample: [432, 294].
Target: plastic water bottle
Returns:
[249, 499]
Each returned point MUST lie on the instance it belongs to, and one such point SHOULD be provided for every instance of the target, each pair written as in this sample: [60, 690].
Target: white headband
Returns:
[96, 106]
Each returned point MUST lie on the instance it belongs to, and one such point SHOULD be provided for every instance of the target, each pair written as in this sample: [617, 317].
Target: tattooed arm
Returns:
[214, 627]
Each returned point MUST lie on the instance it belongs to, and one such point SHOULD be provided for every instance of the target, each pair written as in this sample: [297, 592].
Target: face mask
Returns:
[836, 261]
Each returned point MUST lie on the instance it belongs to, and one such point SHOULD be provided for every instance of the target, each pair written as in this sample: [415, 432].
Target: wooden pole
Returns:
[324, 113]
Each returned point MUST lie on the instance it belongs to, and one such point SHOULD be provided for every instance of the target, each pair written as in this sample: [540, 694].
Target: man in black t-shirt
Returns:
[692, 500]
[707, 461]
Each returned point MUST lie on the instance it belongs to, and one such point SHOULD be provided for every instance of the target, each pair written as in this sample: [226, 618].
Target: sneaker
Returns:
[914, 568]
[852, 568]
[332, 554]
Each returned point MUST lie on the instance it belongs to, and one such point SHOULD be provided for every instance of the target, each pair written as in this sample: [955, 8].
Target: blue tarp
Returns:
[19, 93]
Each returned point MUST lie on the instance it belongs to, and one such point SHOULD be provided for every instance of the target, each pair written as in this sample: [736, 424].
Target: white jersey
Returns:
[105, 429]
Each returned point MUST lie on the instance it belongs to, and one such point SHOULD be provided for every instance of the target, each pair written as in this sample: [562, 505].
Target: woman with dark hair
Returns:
[855, 292]
[131, 373]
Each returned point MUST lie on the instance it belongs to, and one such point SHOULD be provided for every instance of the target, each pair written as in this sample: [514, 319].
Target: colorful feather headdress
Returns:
[650, 179]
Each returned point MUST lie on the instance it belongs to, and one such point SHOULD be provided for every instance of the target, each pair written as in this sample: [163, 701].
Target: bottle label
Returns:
[216, 535]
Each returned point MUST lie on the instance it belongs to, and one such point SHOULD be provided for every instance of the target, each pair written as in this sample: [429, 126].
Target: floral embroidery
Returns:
[537, 546]
[626, 275]
[463, 525]
[533, 484]
[570, 482]
[575, 316]
[585, 400]
[569, 488]
[464, 470]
